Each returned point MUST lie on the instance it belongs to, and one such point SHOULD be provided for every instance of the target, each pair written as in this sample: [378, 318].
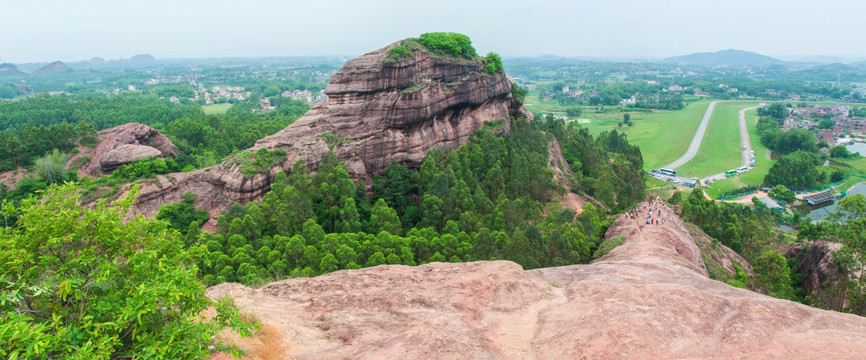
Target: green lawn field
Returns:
[751, 177]
[720, 150]
[663, 136]
[216, 109]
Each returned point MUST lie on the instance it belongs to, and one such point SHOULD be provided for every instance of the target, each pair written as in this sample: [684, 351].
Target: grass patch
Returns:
[663, 135]
[215, 109]
[751, 177]
[261, 161]
[858, 164]
[720, 149]
[607, 245]
[79, 162]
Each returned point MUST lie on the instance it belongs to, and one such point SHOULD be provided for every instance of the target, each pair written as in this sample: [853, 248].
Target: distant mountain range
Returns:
[724, 57]
[96, 63]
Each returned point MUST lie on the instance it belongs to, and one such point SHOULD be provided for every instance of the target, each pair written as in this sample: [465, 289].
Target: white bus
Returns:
[668, 172]
[741, 170]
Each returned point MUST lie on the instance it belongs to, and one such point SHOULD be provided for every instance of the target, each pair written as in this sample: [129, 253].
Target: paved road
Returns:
[696, 141]
[745, 144]
[744, 136]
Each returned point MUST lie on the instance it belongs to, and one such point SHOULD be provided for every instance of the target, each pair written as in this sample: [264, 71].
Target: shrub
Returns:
[397, 54]
[518, 93]
[607, 245]
[493, 63]
[78, 283]
[445, 43]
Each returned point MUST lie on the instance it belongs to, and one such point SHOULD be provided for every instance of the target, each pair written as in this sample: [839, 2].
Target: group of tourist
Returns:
[650, 208]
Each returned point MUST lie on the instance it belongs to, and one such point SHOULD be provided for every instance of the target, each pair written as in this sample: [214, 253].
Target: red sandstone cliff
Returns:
[649, 298]
[378, 111]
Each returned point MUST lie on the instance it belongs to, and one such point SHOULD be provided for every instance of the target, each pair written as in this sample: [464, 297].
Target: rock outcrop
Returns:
[817, 264]
[377, 112]
[126, 144]
[649, 298]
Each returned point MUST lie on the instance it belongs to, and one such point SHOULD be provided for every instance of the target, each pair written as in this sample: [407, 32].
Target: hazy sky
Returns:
[69, 30]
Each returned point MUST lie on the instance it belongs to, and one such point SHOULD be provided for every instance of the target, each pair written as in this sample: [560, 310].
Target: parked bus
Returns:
[668, 172]
[730, 173]
[741, 170]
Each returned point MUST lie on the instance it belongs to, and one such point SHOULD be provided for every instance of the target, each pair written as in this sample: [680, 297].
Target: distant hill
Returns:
[724, 57]
[54, 68]
[142, 58]
[9, 69]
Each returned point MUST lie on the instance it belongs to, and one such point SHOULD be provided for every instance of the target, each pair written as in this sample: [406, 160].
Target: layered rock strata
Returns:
[377, 112]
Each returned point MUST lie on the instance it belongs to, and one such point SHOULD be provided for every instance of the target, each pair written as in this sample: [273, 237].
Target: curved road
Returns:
[696, 141]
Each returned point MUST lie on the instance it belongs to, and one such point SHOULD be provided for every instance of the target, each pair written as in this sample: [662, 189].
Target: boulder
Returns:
[126, 154]
[649, 298]
[126, 144]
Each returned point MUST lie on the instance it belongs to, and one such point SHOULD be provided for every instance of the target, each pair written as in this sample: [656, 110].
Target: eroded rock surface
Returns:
[126, 144]
[817, 263]
[376, 112]
[649, 298]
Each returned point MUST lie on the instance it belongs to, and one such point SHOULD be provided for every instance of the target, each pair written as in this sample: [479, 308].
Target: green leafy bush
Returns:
[445, 43]
[493, 63]
[260, 161]
[77, 283]
[183, 214]
[397, 54]
[607, 245]
[518, 93]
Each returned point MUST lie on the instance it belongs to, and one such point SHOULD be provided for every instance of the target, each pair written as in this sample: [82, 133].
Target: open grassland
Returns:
[858, 164]
[663, 136]
[216, 109]
[720, 149]
[751, 177]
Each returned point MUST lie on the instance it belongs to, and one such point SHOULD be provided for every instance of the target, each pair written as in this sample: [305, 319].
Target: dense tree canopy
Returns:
[76, 283]
[446, 43]
[797, 170]
[486, 200]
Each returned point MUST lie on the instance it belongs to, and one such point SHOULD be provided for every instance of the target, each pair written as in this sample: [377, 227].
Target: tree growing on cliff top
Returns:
[446, 43]
[493, 63]
[397, 54]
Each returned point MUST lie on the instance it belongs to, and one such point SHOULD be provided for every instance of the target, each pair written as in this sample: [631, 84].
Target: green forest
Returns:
[494, 198]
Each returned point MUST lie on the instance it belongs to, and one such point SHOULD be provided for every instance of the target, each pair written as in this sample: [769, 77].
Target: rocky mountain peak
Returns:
[378, 111]
[54, 68]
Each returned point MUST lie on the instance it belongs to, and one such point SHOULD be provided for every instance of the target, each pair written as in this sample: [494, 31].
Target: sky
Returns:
[72, 30]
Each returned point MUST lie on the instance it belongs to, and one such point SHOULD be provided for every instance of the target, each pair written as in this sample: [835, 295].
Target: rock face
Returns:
[817, 263]
[126, 154]
[126, 144]
[648, 298]
[377, 112]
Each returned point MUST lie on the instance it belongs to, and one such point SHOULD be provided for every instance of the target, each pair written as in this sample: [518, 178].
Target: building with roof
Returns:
[819, 198]
[770, 203]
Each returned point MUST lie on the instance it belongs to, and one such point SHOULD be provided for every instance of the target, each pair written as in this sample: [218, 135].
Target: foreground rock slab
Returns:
[649, 298]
